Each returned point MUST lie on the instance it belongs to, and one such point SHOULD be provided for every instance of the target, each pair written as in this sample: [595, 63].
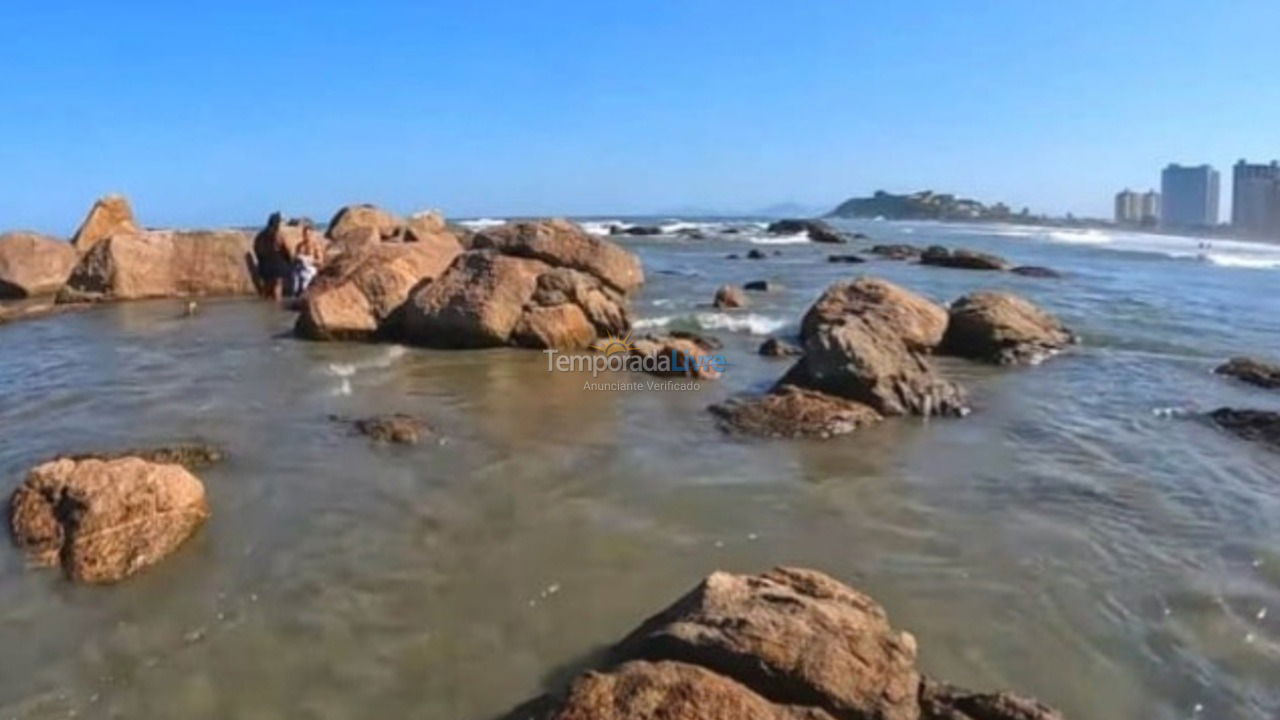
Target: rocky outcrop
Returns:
[357, 296]
[110, 215]
[789, 643]
[777, 347]
[1254, 425]
[529, 284]
[729, 297]
[32, 264]
[161, 264]
[635, 230]
[865, 340]
[818, 230]
[1002, 328]
[104, 520]
[764, 286]
[792, 412]
[846, 258]
[900, 251]
[963, 259]
[191, 456]
[355, 225]
[683, 354]
[1252, 371]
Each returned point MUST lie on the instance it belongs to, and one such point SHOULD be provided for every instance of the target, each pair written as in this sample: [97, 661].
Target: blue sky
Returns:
[218, 113]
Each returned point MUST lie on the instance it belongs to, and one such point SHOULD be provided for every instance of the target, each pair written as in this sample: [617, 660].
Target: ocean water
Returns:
[1081, 536]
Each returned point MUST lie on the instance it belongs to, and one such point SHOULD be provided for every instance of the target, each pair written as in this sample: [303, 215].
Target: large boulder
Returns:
[357, 295]
[792, 412]
[1252, 371]
[896, 251]
[920, 322]
[1002, 328]
[32, 264]
[162, 264]
[110, 215]
[962, 259]
[104, 520]
[530, 284]
[864, 341]
[364, 224]
[680, 355]
[790, 643]
[729, 297]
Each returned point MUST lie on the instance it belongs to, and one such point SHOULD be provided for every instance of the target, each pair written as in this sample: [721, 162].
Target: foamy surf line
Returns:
[1223, 253]
[750, 323]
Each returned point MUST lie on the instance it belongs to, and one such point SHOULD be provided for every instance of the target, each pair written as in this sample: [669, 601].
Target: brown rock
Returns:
[476, 303]
[357, 295]
[359, 224]
[33, 264]
[818, 230]
[560, 243]
[729, 297]
[939, 701]
[862, 341]
[396, 428]
[680, 355]
[1002, 328]
[103, 521]
[777, 347]
[1036, 271]
[792, 412]
[1254, 425]
[962, 259]
[919, 321]
[668, 691]
[794, 636]
[1252, 371]
[163, 264]
[191, 456]
[110, 215]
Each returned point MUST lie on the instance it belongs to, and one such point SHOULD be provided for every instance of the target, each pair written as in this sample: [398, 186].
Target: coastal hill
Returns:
[923, 205]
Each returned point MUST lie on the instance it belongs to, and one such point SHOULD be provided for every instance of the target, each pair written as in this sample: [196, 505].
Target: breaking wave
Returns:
[750, 323]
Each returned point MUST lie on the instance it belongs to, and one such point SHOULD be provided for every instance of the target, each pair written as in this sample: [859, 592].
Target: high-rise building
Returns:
[1134, 208]
[1128, 207]
[1255, 199]
[1189, 196]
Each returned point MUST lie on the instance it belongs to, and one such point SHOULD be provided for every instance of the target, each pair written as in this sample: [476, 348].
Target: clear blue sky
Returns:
[217, 113]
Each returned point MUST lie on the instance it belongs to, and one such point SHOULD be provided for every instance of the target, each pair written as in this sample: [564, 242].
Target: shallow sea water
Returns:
[1080, 537]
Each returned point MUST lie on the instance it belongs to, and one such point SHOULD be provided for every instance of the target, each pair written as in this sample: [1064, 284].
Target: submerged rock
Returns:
[358, 295]
[191, 456]
[777, 347]
[756, 254]
[900, 251]
[396, 428]
[792, 412]
[32, 264]
[530, 284]
[789, 643]
[729, 297]
[1036, 271]
[104, 520]
[764, 286]
[1255, 425]
[1002, 328]
[686, 354]
[962, 259]
[1252, 371]
[850, 259]
[163, 264]
[110, 215]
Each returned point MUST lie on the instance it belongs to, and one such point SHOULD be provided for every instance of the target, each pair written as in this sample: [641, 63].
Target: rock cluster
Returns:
[789, 643]
[1252, 371]
[162, 264]
[866, 342]
[962, 258]
[818, 230]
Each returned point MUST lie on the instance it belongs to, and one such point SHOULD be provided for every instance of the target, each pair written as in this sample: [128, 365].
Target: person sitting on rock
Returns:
[307, 260]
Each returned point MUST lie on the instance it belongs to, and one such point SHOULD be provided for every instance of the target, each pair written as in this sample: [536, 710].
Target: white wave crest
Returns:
[750, 323]
[800, 237]
[481, 223]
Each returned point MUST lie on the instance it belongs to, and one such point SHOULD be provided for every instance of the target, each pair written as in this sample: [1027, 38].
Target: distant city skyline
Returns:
[220, 114]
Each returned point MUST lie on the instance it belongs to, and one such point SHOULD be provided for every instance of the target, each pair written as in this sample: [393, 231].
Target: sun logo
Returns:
[613, 344]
